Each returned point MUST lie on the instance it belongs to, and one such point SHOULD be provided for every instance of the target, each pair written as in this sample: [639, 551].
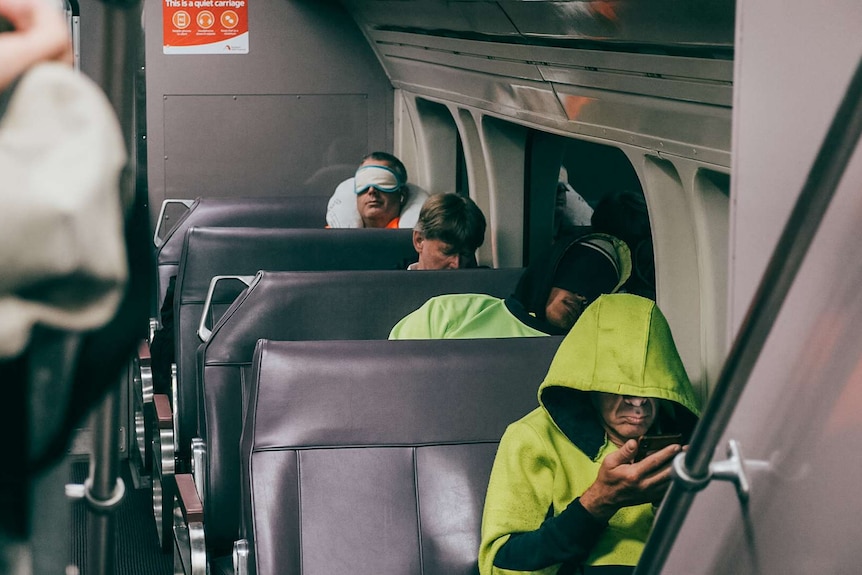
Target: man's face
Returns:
[378, 208]
[625, 417]
[435, 254]
[564, 308]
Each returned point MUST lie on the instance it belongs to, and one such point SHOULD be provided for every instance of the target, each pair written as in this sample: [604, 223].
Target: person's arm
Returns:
[567, 538]
[39, 35]
[519, 529]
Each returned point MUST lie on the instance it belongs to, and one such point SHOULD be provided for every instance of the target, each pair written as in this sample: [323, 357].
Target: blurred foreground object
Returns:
[62, 247]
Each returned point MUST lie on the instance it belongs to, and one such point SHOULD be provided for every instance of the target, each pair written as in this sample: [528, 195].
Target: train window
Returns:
[462, 182]
[438, 145]
[595, 170]
[567, 179]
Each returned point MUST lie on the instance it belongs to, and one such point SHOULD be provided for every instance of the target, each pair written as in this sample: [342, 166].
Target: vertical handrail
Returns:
[104, 485]
[817, 192]
[122, 31]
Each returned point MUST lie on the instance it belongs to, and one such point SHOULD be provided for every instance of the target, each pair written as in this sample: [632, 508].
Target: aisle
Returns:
[137, 541]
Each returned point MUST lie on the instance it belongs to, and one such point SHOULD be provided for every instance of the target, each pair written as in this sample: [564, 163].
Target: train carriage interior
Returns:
[240, 408]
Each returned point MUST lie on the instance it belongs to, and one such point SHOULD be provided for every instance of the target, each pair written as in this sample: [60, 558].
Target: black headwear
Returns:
[531, 294]
[587, 269]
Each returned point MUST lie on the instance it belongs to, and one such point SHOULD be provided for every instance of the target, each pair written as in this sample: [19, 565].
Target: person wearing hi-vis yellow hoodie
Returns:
[566, 494]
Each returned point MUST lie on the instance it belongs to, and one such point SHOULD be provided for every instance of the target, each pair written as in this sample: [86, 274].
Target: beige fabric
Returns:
[62, 254]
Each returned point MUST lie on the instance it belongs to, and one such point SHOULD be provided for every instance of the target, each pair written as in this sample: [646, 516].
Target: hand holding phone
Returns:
[649, 444]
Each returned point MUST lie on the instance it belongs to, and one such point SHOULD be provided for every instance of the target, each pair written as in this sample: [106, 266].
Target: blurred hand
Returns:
[40, 35]
[623, 483]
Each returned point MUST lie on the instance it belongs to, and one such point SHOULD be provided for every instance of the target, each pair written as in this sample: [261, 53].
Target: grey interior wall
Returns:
[291, 117]
[92, 30]
[800, 408]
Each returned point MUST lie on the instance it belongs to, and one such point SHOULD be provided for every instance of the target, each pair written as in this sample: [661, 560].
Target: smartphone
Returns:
[648, 444]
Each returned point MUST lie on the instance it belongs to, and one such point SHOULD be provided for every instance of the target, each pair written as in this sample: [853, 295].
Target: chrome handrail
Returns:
[802, 225]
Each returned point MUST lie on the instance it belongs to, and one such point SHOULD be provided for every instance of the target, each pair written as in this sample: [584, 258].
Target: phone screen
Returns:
[648, 444]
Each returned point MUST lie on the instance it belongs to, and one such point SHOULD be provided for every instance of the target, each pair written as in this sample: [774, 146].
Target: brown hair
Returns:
[453, 219]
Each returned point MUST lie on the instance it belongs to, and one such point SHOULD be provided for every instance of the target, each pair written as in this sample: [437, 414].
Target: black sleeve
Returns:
[567, 538]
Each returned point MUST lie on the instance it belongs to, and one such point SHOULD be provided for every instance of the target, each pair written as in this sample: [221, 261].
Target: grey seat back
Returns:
[210, 252]
[374, 456]
[301, 306]
[275, 212]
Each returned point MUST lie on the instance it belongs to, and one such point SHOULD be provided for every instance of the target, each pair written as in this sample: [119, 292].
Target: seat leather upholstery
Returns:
[301, 306]
[269, 212]
[209, 252]
[372, 457]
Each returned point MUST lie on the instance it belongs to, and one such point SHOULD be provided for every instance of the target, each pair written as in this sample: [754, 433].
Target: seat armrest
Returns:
[164, 469]
[190, 555]
[164, 413]
[187, 497]
[144, 350]
[142, 383]
[164, 441]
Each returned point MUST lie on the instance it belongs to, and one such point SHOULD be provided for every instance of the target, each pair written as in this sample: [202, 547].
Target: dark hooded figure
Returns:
[550, 296]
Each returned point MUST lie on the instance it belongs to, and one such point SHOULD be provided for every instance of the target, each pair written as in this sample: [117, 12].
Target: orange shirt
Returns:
[393, 225]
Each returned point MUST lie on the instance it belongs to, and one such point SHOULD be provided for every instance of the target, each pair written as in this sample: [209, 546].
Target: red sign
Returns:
[205, 26]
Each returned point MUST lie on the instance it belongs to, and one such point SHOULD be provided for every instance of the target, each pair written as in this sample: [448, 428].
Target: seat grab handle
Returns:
[157, 240]
[204, 332]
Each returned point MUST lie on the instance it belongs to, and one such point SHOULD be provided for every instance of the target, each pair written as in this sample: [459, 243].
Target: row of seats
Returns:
[299, 243]
[377, 463]
[295, 306]
[287, 211]
[303, 212]
[283, 306]
[243, 349]
[280, 212]
[211, 252]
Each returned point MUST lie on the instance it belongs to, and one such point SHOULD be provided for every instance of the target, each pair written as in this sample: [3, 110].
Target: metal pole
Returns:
[817, 192]
[104, 485]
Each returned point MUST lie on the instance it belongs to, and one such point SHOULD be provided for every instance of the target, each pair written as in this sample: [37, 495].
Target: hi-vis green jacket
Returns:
[469, 316]
[533, 521]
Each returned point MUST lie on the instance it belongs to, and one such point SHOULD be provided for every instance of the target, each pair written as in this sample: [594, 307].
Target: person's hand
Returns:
[622, 483]
[40, 35]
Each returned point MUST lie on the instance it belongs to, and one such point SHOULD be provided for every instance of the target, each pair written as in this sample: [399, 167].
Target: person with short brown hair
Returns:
[450, 229]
